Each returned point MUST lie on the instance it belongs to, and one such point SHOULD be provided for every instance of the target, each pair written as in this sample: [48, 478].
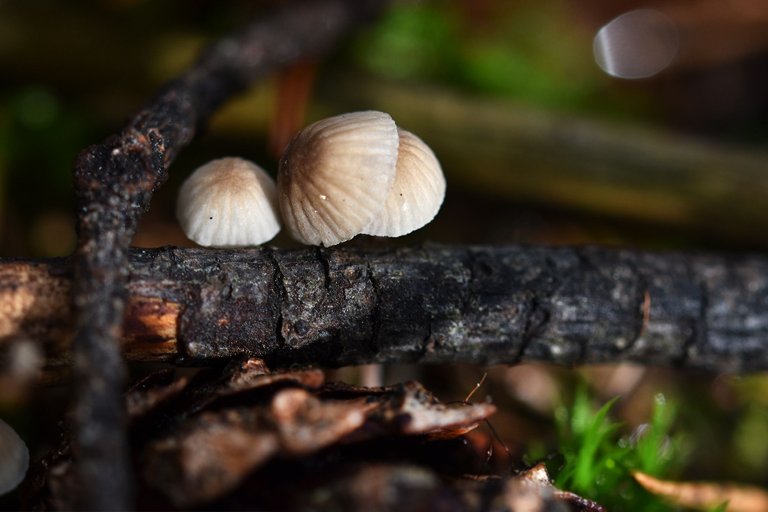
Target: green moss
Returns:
[599, 455]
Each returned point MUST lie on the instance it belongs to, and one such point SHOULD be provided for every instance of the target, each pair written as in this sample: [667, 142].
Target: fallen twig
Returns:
[485, 305]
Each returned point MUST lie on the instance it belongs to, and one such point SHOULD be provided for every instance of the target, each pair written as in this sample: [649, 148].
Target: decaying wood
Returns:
[487, 305]
[114, 181]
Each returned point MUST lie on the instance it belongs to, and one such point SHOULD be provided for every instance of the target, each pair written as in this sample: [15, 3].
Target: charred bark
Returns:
[114, 181]
[486, 305]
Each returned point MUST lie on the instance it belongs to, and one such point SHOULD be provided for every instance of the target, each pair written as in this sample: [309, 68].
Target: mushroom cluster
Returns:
[356, 173]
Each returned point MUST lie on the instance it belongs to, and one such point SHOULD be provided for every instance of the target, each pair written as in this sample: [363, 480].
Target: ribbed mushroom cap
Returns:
[335, 176]
[417, 193]
[14, 458]
[229, 202]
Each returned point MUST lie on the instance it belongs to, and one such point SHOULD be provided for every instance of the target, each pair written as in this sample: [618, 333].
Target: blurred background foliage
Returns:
[538, 144]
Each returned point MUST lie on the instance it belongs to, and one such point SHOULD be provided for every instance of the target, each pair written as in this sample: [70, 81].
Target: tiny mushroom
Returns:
[417, 193]
[14, 458]
[229, 202]
[357, 173]
[335, 176]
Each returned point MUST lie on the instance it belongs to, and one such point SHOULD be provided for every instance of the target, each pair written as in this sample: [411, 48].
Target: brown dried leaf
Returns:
[706, 495]
[306, 424]
[200, 438]
[214, 452]
[211, 456]
[253, 374]
[240, 378]
[410, 409]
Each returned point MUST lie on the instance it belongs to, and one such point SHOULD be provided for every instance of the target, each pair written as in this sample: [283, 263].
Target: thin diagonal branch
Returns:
[114, 181]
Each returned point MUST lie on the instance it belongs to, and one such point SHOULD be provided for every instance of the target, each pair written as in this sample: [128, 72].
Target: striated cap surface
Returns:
[229, 202]
[417, 193]
[335, 176]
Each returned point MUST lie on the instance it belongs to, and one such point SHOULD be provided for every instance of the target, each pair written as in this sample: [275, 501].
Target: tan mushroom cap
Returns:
[417, 193]
[229, 202]
[14, 458]
[335, 176]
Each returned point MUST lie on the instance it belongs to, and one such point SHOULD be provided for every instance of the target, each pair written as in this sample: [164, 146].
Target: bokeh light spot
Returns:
[637, 44]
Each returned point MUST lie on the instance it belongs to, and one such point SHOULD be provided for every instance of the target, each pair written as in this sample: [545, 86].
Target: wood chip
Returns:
[706, 495]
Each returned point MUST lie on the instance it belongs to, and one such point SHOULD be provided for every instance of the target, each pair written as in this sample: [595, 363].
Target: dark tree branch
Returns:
[487, 305]
[114, 181]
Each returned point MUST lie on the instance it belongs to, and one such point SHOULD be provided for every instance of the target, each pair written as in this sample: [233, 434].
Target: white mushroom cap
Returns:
[335, 176]
[417, 193]
[14, 458]
[229, 202]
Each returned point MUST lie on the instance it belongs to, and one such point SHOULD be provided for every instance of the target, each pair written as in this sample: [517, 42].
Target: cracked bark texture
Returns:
[114, 181]
[430, 304]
